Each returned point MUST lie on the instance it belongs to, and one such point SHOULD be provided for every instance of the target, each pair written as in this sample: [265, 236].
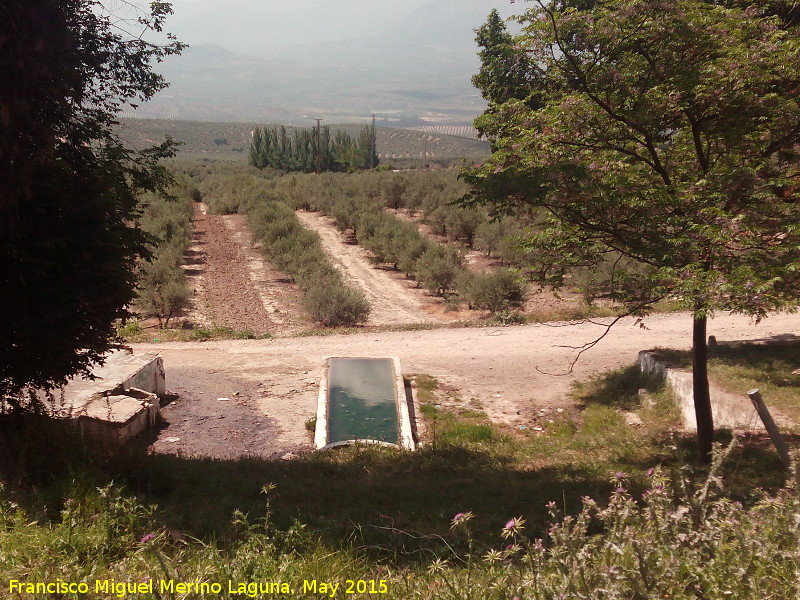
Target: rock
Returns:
[289, 456]
[224, 399]
[633, 420]
[172, 440]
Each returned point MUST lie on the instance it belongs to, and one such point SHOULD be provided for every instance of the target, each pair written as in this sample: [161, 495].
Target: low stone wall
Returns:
[730, 411]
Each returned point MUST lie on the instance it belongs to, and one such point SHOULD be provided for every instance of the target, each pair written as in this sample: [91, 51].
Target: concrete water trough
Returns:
[119, 401]
[362, 400]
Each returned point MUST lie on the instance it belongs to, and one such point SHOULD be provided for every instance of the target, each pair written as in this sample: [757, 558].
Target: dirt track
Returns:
[503, 368]
[394, 300]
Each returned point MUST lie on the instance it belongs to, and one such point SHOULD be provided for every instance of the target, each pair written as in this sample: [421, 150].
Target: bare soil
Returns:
[232, 285]
[516, 374]
[395, 299]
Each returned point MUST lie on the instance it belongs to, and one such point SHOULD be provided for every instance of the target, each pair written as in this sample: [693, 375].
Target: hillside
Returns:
[415, 67]
[230, 141]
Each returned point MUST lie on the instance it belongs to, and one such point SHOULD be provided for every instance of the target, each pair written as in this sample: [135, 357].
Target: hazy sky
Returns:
[267, 26]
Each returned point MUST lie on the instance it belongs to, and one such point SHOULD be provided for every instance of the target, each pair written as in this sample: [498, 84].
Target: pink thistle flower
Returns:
[147, 537]
[513, 526]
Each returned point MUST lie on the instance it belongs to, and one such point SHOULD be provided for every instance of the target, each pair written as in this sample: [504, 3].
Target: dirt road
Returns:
[511, 371]
[394, 300]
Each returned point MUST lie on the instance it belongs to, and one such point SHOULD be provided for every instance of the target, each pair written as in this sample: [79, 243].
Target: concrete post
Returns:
[774, 433]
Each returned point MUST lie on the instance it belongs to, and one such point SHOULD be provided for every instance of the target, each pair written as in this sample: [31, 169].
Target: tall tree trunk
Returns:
[702, 396]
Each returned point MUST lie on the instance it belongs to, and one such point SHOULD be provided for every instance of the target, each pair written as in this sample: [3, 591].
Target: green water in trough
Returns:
[361, 400]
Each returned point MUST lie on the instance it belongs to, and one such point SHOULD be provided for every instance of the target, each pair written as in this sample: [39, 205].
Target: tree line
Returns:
[313, 150]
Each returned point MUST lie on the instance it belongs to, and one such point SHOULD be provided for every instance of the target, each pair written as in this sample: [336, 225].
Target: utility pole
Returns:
[373, 143]
[318, 150]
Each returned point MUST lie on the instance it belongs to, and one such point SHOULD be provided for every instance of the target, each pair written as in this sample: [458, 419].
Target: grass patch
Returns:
[738, 368]
[134, 333]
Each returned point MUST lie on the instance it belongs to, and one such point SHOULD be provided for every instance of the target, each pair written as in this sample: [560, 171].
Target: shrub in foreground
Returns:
[678, 540]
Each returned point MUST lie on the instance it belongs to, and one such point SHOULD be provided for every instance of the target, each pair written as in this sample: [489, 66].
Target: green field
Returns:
[231, 141]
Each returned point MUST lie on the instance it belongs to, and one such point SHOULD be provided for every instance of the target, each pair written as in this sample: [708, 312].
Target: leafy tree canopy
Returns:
[68, 185]
[668, 135]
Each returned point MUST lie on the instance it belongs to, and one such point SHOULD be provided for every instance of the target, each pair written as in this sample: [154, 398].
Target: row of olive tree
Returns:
[162, 290]
[437, 267]
[297, 251]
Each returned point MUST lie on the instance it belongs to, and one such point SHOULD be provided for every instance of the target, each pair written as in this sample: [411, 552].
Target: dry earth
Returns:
[395, 300]
[231, 283]
[254, 396]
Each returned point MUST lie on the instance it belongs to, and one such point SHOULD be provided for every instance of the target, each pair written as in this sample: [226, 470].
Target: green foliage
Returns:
[438, 269]
[665, 136]
[68, 184]
[505, 73]
[162, 290]
[297, 252]
[337, 305]
[311, 150]
[684, 166]
[496, 291]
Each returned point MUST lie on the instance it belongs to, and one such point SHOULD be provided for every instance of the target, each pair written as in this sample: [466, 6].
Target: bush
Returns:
[162, 291]
[336, 305]
[437, 269]
[496, 291]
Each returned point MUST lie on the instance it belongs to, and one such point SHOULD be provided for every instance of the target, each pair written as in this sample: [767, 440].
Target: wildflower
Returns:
[460, 519]
[147, 537]
[619, 475]
[513, 527]
[650, 471]
[620, 490]
[493, 556]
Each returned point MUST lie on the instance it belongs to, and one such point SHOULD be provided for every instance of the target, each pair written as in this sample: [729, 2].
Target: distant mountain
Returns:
[418, 68]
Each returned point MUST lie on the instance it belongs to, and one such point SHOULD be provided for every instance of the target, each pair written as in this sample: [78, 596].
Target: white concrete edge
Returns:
[359, 442]
[321, 429]
[404, 419]
[733, 411]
